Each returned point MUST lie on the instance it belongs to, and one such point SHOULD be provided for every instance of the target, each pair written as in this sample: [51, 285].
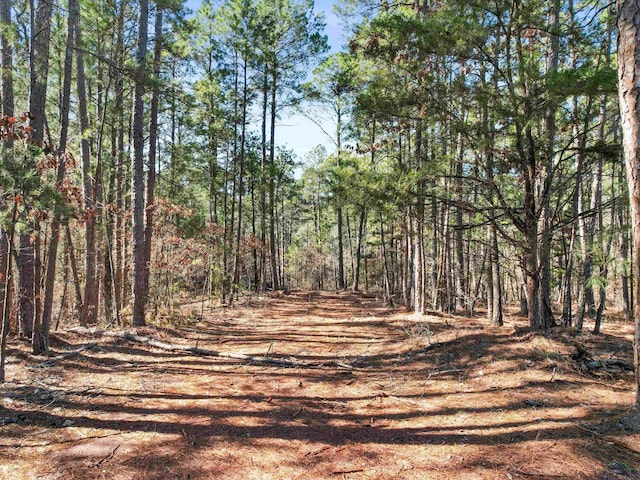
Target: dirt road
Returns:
[406, 398]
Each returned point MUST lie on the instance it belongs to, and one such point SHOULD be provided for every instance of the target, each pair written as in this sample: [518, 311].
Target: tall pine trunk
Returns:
[629, 96]
[40, 40]
[361, 228]
[153, 141]
[272, 197]
[7, 273]
[137, 169]
[6, 69]
[461, 286]
[118, 243]
[88, 314]
[56, 224]
[243, 132]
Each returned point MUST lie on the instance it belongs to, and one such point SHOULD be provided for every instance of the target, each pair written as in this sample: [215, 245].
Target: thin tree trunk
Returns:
[118, 251]
[38, 342]
[6, 305]
[263, 183]
[74, 269]
[4, 260]
[623, 239]
[89, 312]
[341, 281]
[494, 280]
[340, 221]
[272, 199]
[461, 286]
[39, 59]
[6, 67]
[243, 131]
[254, 231]
[6, 64]
[56, 224]
[350, 243]
[361, 227]
[26, 285]
[153, 141]
[65, 282]
[137, 169]
[544, 180]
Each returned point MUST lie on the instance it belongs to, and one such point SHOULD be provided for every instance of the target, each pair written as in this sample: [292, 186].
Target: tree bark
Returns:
[7, 62]
[6, 68]
[153, 141]
[26, 285]
[339, 219]
[243, 133]
[544, 180]
[88, 314]
[361, 227]
[118, 253]
[137, 169]
[272, 198]
[461, 286]
[628, 21]
[74, 268]
[40, 40]
[6, 305]
[47, 311]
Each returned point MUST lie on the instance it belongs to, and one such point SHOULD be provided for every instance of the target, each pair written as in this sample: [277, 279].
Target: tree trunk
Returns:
[623, 240]
[88, 314]
[137, 170]
[263, 183]
[74, 269]
[40, 40]
[153, 142]
[361, 226]
[272, 198]
[531, 239]
[118, 249]
[494, 280]
[38, 342]
[461, 286]
[56, 224]
[6, 305]
[6, 65]
[4, 261]
[26, 285]
[385, 264]
[340, 221]
[41, 36]
[243, 132]
[341, 280]
[629, 92]
[544, 180]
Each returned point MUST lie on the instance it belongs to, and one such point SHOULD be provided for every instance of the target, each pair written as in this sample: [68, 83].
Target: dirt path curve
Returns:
[476, 404]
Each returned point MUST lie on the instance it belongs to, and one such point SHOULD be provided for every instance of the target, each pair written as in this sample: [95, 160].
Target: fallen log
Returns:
[583, 356]
[203, 352]
[607, 364]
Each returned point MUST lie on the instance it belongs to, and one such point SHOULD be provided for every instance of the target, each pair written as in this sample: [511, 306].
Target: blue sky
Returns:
[294, 130]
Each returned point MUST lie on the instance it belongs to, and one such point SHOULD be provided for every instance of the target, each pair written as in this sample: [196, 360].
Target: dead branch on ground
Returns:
[203, 352]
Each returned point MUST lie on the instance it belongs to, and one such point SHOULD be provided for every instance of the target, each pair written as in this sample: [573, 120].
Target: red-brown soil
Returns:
[471, 402]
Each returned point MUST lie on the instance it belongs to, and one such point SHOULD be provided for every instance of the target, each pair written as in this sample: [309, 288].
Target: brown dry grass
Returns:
[478, 403]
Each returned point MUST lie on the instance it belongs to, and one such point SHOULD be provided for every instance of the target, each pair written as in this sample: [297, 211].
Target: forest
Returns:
[473, 177]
